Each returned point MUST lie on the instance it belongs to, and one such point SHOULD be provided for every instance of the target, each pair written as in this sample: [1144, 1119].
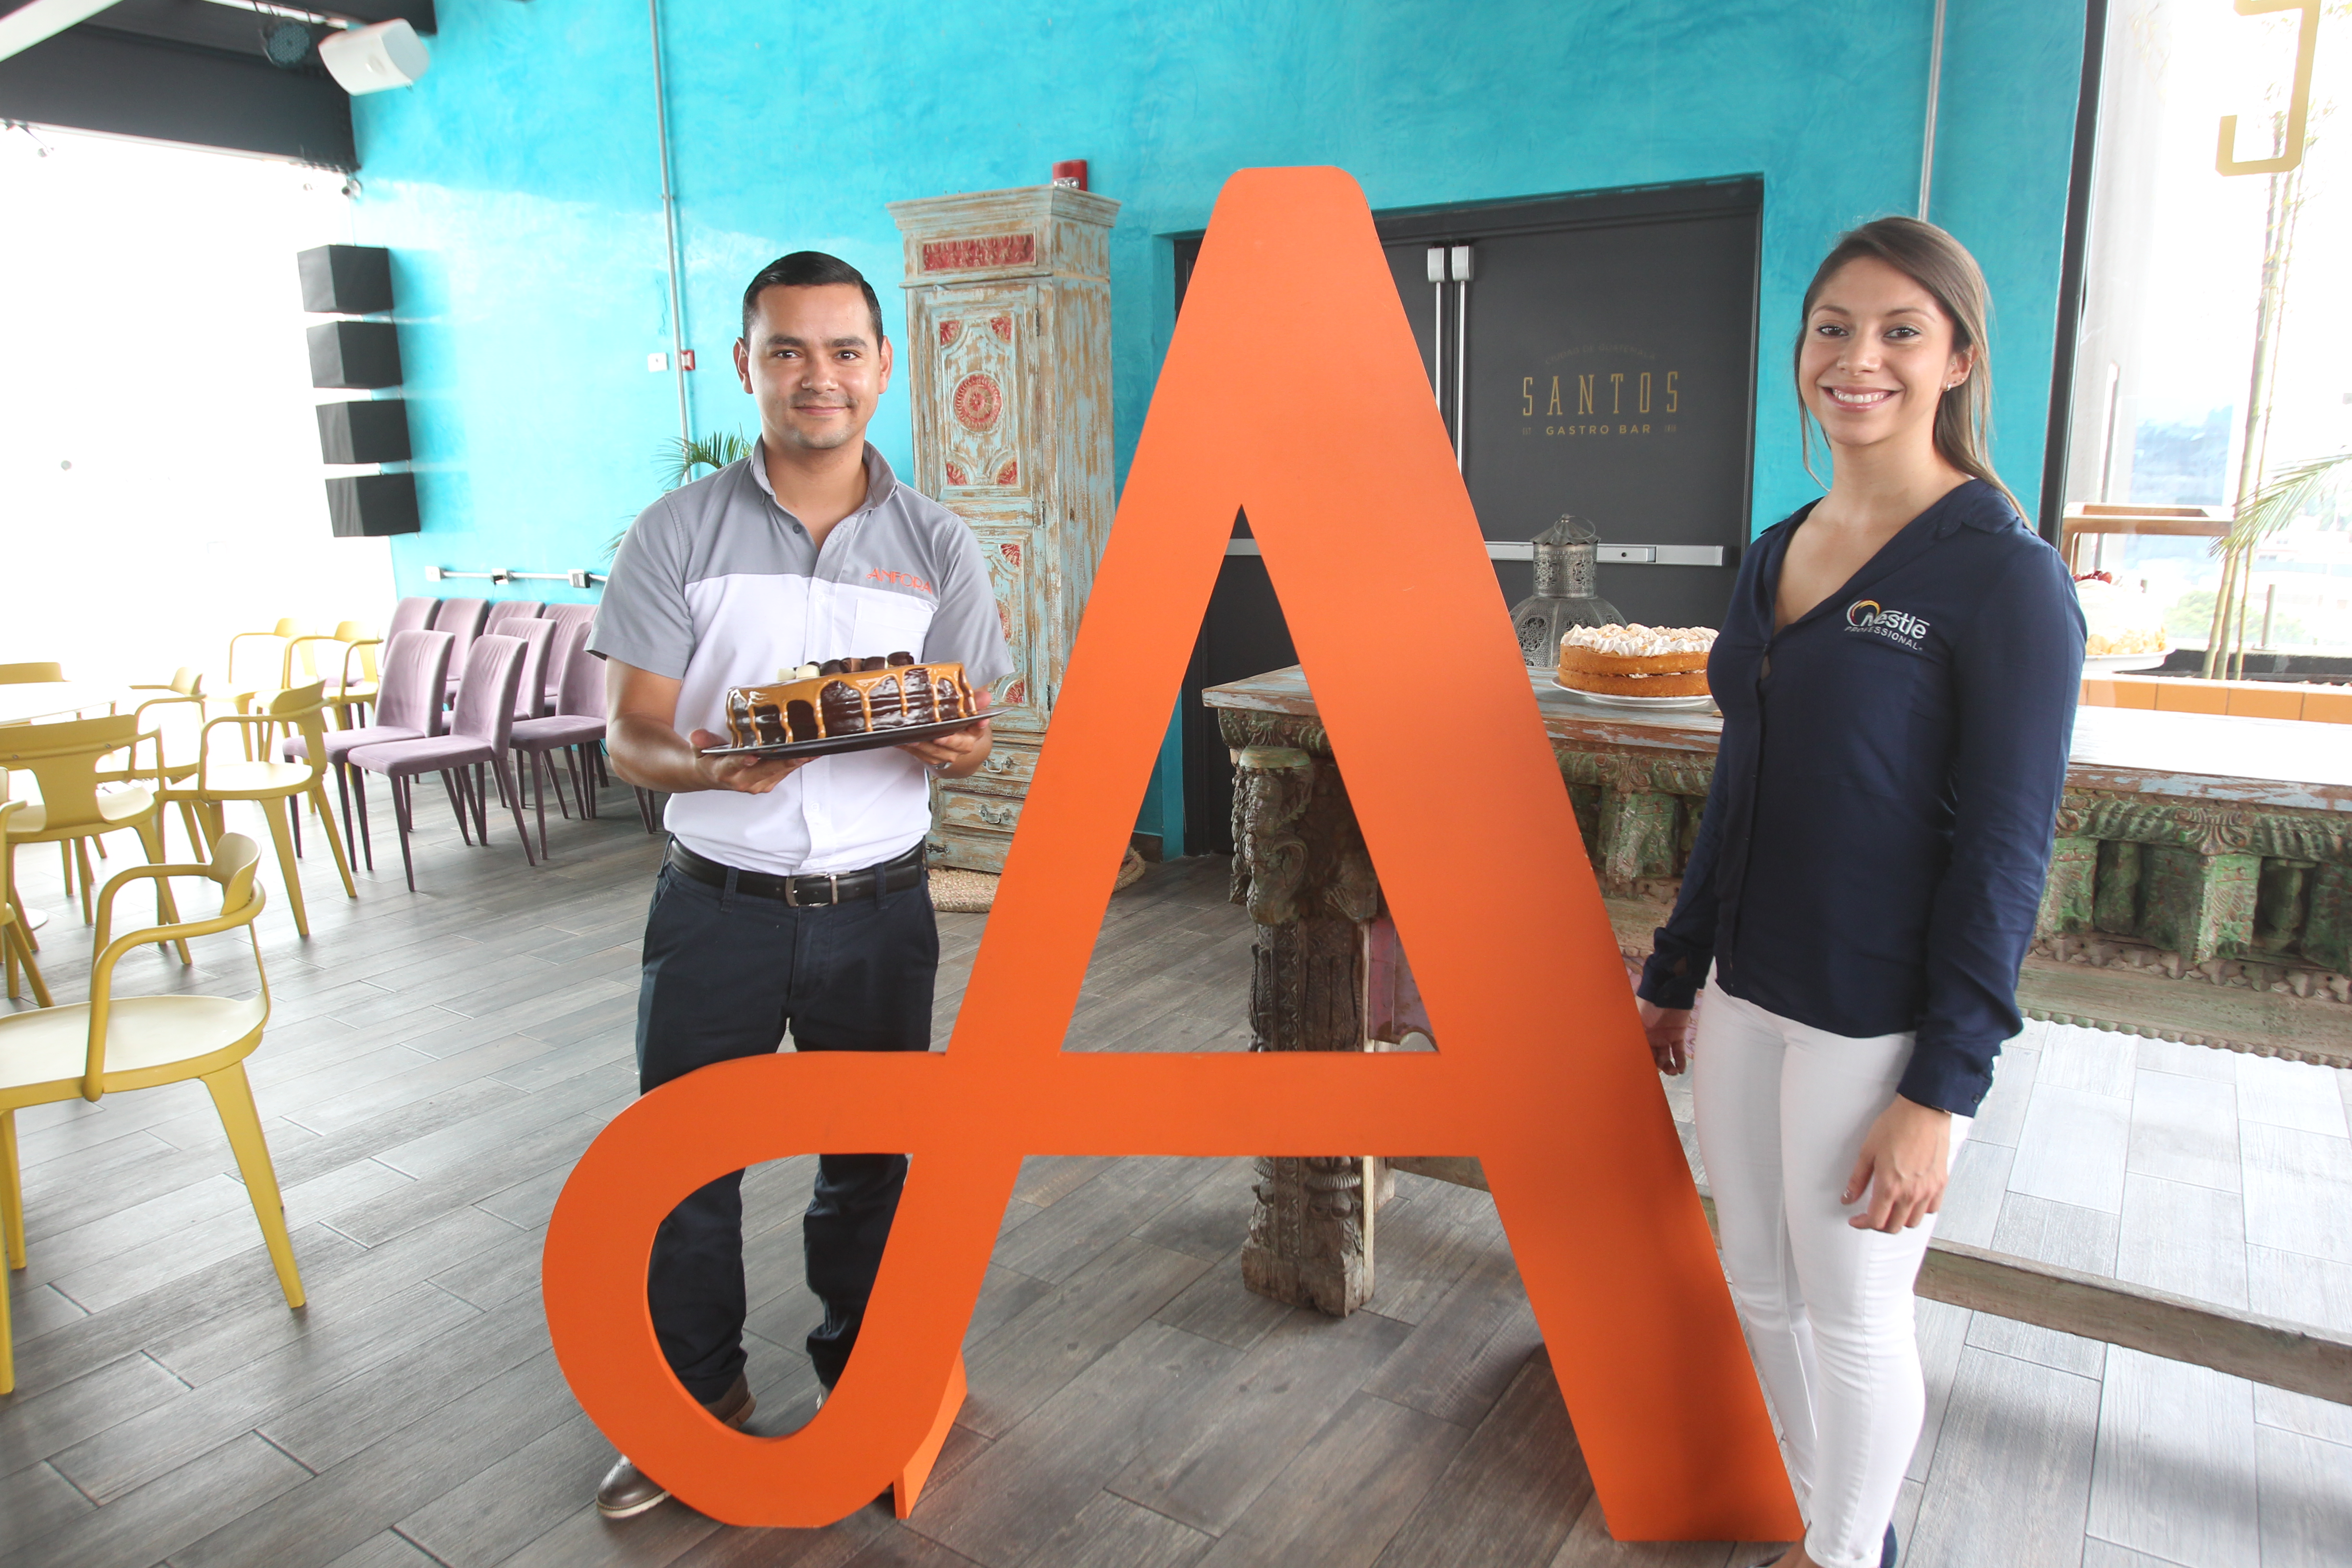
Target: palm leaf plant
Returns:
[2297, 490]
[682, 455]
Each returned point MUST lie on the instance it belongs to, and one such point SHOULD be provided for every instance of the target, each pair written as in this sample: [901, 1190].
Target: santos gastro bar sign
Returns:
[1602, 403]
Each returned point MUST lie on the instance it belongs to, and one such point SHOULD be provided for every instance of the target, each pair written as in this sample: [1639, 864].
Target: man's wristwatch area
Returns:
[804, 891]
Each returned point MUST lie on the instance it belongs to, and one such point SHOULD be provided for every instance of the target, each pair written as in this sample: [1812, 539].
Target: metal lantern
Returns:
[1567, 571]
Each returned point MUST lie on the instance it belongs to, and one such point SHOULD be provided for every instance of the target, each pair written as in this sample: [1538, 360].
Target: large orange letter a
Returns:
[1293, 387]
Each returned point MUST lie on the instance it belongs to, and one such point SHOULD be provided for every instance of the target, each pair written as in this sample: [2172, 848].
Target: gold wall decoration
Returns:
[2298, 108]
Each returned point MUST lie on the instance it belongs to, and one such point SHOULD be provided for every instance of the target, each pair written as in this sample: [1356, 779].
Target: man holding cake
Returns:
[792, 897]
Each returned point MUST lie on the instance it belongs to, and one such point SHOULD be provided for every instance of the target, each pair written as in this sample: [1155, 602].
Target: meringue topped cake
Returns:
[1636, 660]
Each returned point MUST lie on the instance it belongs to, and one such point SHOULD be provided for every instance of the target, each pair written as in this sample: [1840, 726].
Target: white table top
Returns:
[32, 700]
[2253, 762]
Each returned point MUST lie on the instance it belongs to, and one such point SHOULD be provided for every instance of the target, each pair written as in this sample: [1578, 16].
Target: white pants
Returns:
[1782, 1109]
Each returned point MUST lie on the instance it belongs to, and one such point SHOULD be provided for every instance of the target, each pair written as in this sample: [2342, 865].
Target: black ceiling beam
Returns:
[190, 19]
[222, 27]
[419, 13]
[93, 78]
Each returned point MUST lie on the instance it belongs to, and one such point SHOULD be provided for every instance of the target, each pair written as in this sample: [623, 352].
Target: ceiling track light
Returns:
[288, 44]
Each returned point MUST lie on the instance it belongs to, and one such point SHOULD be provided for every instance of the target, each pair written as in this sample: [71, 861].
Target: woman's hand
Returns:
[1906, 1159]
[1670, 1032]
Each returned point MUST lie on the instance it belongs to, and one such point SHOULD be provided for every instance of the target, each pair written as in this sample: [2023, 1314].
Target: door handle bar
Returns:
[1610, 554]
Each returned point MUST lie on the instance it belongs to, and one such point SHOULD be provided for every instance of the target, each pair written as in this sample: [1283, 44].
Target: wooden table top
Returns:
[2246, 762]
[26, 701]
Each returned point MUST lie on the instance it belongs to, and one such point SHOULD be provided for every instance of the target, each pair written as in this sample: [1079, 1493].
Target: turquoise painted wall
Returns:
[518, 183]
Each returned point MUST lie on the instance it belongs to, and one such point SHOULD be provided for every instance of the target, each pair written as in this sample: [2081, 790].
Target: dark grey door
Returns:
[1590, 354]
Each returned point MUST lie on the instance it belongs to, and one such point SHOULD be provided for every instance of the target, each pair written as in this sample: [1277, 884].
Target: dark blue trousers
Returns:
[726, 975]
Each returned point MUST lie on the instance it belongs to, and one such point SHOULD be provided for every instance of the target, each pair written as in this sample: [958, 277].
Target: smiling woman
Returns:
[1898, 673]
[1905, 278]
[159, 457]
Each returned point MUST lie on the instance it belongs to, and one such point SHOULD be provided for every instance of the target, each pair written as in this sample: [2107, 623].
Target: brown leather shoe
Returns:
[628, 1491]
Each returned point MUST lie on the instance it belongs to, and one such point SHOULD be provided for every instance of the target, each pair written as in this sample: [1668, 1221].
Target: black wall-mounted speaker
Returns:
[354, 354]
[368, 431]
[346, 279]
[369, 506]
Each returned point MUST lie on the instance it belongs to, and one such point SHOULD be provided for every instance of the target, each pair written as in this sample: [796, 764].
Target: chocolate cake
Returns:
[847, 697]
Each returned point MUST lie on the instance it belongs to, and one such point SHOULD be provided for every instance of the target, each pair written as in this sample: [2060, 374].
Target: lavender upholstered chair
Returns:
[536, 637]
[577, 721]
[462, 618]
[513, 618]
[412, 616]
[408, 708]
[479, 732]
[563, 614]
[505, 610]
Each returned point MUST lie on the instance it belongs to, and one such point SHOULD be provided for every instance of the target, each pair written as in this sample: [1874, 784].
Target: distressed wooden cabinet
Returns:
[1007, 361]
[2201, 889]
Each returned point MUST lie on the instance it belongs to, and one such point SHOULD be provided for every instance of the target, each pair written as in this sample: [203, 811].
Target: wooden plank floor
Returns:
[437, 1060]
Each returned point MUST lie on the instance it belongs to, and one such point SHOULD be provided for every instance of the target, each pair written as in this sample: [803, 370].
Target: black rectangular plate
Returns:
[832, 745]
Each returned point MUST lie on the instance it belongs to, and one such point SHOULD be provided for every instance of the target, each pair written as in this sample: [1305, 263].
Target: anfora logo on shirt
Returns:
[1896, 625]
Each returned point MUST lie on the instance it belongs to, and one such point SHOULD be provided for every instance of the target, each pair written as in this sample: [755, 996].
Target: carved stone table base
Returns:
[1301, 868]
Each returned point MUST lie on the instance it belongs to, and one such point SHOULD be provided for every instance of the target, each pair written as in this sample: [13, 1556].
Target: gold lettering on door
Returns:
[1527, 391]
[1645, 392]
[1672, 397]
[1616, 392]
[1584, 395]
[1555, 397]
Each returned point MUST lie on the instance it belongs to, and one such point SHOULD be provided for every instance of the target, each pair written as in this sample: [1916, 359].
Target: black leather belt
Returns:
[823, 888]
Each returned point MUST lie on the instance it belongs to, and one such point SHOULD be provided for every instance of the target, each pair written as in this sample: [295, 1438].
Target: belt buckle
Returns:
[831, 889]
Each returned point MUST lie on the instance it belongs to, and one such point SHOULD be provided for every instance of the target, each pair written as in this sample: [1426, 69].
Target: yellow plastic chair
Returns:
[354, 686]
[15, 927]
[186, 681]
[262, 668]
[111, 1044]
[187, 688]
[25, 674]
[270, 784]
[264, 665]
[64, 758]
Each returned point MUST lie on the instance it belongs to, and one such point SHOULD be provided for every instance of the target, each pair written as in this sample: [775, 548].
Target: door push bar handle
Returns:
[1630, 555]
[1451, 264]
[1610, 554]
[1663, 556]
[1461, 267]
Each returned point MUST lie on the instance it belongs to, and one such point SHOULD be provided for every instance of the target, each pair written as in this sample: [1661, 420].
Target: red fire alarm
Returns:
[1071, 172]
[685, 359]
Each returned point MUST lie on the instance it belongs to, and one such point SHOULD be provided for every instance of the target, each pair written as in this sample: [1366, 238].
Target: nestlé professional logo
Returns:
[1896, 625]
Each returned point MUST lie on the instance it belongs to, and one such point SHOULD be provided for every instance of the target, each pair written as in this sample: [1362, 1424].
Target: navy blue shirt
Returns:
[1876, 836]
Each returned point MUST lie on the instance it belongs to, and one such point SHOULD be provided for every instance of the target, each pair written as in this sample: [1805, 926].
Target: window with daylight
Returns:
[159, 474]
[2213, 375]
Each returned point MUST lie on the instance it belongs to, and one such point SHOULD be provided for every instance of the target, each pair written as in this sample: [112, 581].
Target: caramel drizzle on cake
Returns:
[848, 697]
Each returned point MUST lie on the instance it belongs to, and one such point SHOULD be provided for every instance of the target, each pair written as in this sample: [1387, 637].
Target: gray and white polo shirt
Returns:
[717, 585]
